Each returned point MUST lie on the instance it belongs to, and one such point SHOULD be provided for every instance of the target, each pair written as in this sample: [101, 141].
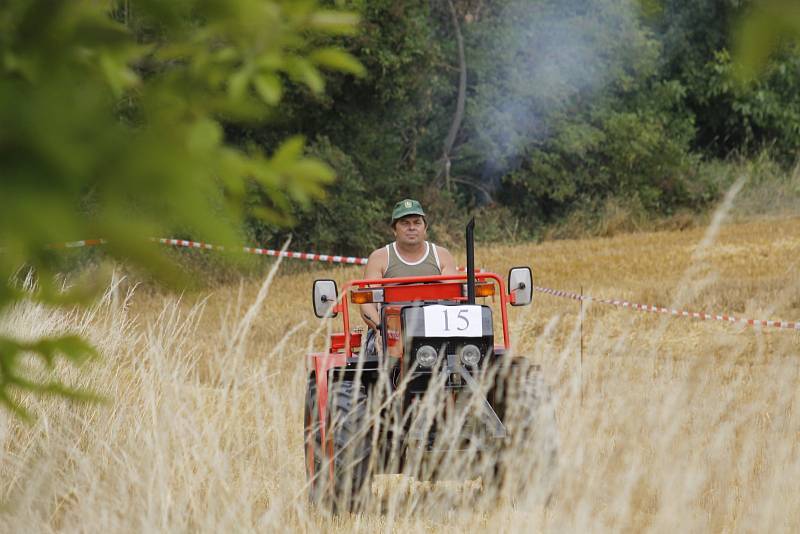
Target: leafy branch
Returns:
[114, 117]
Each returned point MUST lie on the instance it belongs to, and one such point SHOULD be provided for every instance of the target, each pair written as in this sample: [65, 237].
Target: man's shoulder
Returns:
[379, 254]
[446, 261]
[440, 249]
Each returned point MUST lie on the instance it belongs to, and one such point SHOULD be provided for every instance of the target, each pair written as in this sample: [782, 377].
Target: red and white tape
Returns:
[206, 246]
[669, 311]
[310, 256]
[353, 260]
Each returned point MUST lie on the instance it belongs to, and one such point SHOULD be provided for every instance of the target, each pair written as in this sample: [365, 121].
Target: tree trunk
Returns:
[450, 140]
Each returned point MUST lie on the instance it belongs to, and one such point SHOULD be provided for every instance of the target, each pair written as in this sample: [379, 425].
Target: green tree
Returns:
[699, 40]
[566, 108]
[349, 221]
[568, 103]
[113, 119]
[382, 132]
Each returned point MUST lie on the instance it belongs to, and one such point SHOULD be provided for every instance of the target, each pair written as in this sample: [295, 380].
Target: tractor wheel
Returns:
[313, 444]
[527, 460]
[340, 485]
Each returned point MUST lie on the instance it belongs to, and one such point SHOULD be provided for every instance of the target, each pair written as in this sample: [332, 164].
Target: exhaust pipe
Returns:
[471, 261]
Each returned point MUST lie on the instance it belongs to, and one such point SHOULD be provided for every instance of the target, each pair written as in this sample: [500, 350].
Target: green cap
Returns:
[406, 207]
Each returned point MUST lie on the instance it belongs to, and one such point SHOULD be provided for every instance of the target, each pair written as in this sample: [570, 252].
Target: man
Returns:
[409, 255]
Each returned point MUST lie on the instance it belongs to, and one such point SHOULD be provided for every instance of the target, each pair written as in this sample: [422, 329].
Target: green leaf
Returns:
[336, 59]
[335, 22]
[74, 348]
[226, 54]
[311, 169]
[204, 135]
[271, 216]
[238, 82]
[760, 33]
[269, 88]
[289, 151]
[119, 76]
[303, 71]
[270, 61]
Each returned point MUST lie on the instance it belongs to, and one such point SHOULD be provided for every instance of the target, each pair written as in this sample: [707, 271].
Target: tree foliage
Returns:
[710, 48]
[113, 125]
[568, 104]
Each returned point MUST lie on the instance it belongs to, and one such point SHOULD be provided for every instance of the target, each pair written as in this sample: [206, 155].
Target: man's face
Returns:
[410, 230]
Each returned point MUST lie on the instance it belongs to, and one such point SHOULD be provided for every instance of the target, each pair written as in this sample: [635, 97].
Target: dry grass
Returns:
[665, 424]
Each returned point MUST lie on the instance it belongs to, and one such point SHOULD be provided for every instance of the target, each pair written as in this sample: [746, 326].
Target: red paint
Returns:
[322, 364]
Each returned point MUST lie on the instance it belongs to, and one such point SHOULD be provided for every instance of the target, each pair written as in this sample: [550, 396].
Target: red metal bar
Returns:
[346, 320]
[322, 364]
[404, 293]
[417, 279]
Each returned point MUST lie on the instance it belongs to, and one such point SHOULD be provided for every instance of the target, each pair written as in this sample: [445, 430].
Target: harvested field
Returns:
[666, 424]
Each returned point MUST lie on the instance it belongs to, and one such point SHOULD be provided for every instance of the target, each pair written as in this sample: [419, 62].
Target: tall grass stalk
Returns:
[676, 425]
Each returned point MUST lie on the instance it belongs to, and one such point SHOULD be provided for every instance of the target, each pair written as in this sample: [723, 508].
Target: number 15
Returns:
[461, 316]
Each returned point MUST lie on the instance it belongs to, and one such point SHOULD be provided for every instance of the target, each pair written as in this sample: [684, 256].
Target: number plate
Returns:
[453, 321]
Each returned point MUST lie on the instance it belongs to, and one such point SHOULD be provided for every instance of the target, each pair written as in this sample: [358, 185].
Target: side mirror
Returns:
[520, 286]
[324, 296]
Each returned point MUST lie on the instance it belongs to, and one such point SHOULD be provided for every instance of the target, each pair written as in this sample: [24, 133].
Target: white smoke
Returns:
[540, 62]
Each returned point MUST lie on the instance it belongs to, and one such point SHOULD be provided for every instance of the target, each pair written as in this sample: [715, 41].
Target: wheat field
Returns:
[665, 424]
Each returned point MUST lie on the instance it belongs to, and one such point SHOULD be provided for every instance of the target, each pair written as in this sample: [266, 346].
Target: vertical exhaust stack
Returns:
[471, 261]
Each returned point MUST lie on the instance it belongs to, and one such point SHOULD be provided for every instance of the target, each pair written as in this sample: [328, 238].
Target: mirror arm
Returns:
[521, 285]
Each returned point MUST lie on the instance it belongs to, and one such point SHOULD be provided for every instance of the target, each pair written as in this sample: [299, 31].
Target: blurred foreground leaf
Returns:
[762, 31]
[112, 120]
[15, 378]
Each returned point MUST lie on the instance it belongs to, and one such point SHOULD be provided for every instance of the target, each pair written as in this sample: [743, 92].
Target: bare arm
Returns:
[446, 261]
[376, 265]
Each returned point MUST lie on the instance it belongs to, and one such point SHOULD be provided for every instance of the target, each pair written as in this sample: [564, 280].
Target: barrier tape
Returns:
[310, 256]
[207, 246]
[363, 261]
[669, 311]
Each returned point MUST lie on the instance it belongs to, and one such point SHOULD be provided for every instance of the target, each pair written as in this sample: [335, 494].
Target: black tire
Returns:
[348, 439]
[527, 460]
[313, 444]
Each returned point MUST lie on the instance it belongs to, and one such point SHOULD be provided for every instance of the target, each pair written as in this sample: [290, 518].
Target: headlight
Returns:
[426, 356]
[470, 355]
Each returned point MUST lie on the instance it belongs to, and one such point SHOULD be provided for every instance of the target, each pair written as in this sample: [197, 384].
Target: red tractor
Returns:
[438, 397]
